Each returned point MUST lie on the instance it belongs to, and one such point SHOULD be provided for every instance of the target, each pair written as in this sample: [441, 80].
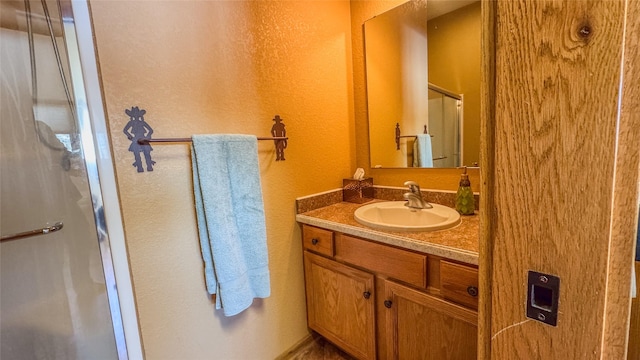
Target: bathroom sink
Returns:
[394, 216]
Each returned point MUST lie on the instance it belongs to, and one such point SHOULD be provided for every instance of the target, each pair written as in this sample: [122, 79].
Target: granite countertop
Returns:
[458, 243]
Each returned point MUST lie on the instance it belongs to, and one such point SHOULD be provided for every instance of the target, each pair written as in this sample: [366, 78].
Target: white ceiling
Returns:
[436, 8]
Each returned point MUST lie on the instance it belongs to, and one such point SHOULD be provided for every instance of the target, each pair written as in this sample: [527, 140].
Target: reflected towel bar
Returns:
[398, 136]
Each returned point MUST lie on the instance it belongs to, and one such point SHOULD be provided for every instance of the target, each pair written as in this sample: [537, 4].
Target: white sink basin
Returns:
[394, 216]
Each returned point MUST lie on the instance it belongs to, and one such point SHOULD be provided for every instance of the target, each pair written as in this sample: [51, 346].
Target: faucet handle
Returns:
[412, 185]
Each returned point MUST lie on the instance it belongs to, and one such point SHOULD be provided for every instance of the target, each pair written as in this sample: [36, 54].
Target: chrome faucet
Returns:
[414, 197]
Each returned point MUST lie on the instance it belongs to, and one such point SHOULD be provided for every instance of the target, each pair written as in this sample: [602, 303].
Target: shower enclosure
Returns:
[58, 297]
[445, 126]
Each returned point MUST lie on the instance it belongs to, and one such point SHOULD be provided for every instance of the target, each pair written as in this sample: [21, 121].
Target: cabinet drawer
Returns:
[459, 283]
[383, 259]
[317, 240]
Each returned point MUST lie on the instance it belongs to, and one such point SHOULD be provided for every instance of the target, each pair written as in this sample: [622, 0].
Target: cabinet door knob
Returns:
[472, 290]
[387, 304]
[314, 241]
[366, 294]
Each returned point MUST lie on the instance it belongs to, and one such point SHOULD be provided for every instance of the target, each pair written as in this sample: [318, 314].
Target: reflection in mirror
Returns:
[403, 90]
[445, 110]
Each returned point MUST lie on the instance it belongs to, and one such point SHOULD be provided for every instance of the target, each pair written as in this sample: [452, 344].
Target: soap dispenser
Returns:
[465, 202]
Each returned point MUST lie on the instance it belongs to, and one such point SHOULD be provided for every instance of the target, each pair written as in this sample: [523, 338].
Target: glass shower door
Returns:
[445, 127]
[54, 303]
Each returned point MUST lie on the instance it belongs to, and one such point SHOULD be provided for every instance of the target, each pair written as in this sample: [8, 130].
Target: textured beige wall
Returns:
[223, 67]
[446, 179]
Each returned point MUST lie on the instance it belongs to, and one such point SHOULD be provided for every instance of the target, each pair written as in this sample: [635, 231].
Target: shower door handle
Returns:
[44, 231]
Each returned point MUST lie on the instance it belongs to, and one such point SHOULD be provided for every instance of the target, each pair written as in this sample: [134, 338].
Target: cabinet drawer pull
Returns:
[314, 241]
[387, 304]
[366, 294]
[472, 290]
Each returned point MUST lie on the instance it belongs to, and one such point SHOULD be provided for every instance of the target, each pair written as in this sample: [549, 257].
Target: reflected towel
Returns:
[231, 223]
[422, 153]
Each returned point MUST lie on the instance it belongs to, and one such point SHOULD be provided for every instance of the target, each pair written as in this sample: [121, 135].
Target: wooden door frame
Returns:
[624, 190]
[487, 149]
[627, 175]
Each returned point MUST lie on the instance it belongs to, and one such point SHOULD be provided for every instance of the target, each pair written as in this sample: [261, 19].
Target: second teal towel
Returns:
[231, 222]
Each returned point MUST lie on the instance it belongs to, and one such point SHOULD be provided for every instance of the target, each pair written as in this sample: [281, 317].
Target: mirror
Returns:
[415, 86]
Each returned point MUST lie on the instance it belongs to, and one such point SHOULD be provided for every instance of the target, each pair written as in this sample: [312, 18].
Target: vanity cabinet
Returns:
[377, 301]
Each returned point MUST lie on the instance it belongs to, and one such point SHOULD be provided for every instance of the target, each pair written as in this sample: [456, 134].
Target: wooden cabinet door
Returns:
[341, 305]
[420, 326]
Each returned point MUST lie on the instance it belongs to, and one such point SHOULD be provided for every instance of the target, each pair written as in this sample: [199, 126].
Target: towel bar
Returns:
[280, 142]
[139, 132]
[43, 231]
[166, 140]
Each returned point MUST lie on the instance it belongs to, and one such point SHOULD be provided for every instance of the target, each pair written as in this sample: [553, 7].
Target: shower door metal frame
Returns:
[78, 34]
[459, 117]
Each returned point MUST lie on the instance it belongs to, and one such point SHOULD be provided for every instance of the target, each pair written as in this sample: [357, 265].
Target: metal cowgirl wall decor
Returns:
[138, 129]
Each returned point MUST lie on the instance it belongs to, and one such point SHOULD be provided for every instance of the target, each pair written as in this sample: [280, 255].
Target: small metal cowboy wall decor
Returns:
[138, 129]
[278, 130]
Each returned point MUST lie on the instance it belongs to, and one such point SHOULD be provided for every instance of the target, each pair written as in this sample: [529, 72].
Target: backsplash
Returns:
[316, 201]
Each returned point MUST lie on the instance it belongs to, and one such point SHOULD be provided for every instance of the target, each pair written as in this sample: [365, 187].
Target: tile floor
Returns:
[319, 349]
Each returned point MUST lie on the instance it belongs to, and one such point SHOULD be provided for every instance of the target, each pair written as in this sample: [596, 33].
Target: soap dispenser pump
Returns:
[465, 202]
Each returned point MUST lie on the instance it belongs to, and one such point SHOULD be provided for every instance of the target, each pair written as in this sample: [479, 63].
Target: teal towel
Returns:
[231, 222]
